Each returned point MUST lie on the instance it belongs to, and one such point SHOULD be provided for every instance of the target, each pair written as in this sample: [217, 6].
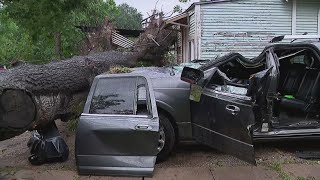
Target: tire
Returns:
[170, 138]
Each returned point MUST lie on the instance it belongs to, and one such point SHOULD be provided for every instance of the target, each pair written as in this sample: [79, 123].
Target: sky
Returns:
[145, 6]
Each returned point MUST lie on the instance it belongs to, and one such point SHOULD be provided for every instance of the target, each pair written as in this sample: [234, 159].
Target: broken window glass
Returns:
[143, 103]
[219, 82]
[232, 90]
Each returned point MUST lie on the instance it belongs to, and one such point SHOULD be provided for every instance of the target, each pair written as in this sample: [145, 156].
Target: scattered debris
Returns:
[47, 146]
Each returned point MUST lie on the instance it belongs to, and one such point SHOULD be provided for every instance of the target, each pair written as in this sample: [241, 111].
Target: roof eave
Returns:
[206, 2]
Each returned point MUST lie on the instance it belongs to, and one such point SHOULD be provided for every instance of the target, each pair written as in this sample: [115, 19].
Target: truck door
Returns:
[118, 132]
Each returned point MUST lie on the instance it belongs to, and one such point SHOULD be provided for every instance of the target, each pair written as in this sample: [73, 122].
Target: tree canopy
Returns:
[128, 17]
[14, 43]
[28, 27]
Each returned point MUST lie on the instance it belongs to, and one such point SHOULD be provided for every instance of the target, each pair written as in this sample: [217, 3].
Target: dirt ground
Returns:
[275, 157]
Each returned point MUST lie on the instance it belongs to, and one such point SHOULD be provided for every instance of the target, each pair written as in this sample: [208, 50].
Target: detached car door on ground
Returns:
[119, 130]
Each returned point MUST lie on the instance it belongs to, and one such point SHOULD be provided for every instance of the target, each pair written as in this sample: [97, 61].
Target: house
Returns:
[209, 29]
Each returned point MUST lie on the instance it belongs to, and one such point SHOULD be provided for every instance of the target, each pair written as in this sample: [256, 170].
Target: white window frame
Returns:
[191, 50]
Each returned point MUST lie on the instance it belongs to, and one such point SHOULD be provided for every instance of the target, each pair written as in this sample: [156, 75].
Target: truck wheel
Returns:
[167, 138]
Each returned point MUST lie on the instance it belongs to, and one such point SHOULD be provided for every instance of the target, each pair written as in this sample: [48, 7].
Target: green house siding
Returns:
[192, 23]
[243, 26]
[307, 16]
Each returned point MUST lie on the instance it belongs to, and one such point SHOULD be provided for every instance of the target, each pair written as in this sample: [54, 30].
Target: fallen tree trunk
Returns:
[32, 96]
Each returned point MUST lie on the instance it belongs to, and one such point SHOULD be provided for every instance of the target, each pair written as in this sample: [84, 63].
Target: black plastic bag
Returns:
[47, 146]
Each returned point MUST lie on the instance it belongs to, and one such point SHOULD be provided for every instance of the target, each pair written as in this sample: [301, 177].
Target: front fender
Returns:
[175, 102]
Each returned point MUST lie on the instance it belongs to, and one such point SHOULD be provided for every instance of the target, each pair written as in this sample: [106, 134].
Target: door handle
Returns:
[142, 127]
[234, 110]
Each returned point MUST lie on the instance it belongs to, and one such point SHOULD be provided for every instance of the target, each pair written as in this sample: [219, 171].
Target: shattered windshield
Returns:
[193, 64]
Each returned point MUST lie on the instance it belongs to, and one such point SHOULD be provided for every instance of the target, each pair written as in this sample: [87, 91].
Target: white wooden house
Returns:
[209, 29]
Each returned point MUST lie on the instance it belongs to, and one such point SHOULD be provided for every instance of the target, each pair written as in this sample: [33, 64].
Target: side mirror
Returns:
[192, 76]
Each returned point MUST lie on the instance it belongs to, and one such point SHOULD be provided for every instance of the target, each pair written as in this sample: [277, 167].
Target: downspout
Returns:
[198, 31]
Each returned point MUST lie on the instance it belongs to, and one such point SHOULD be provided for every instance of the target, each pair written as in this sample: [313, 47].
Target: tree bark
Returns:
[32, 96]
[58, 45]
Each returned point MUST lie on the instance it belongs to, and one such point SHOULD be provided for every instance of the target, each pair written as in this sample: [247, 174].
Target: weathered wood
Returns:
[58, 45]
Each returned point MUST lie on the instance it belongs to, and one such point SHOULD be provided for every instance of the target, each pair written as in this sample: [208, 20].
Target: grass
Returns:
[72, 124]
[278, 168]
[9, 170]
[302, 178]
[283, 175]
[77, 177]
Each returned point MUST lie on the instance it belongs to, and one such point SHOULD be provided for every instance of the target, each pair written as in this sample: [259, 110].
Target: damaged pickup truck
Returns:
[130, 119]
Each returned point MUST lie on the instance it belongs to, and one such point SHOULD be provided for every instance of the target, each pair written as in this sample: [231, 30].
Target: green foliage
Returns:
[17, 43]
[177, 8]
[144, 64]
[128, 17]
[14, 43]
[72, 124]
[43, 18]
[95, 12]
[119, 70]
[27, 27]
[170, 58]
